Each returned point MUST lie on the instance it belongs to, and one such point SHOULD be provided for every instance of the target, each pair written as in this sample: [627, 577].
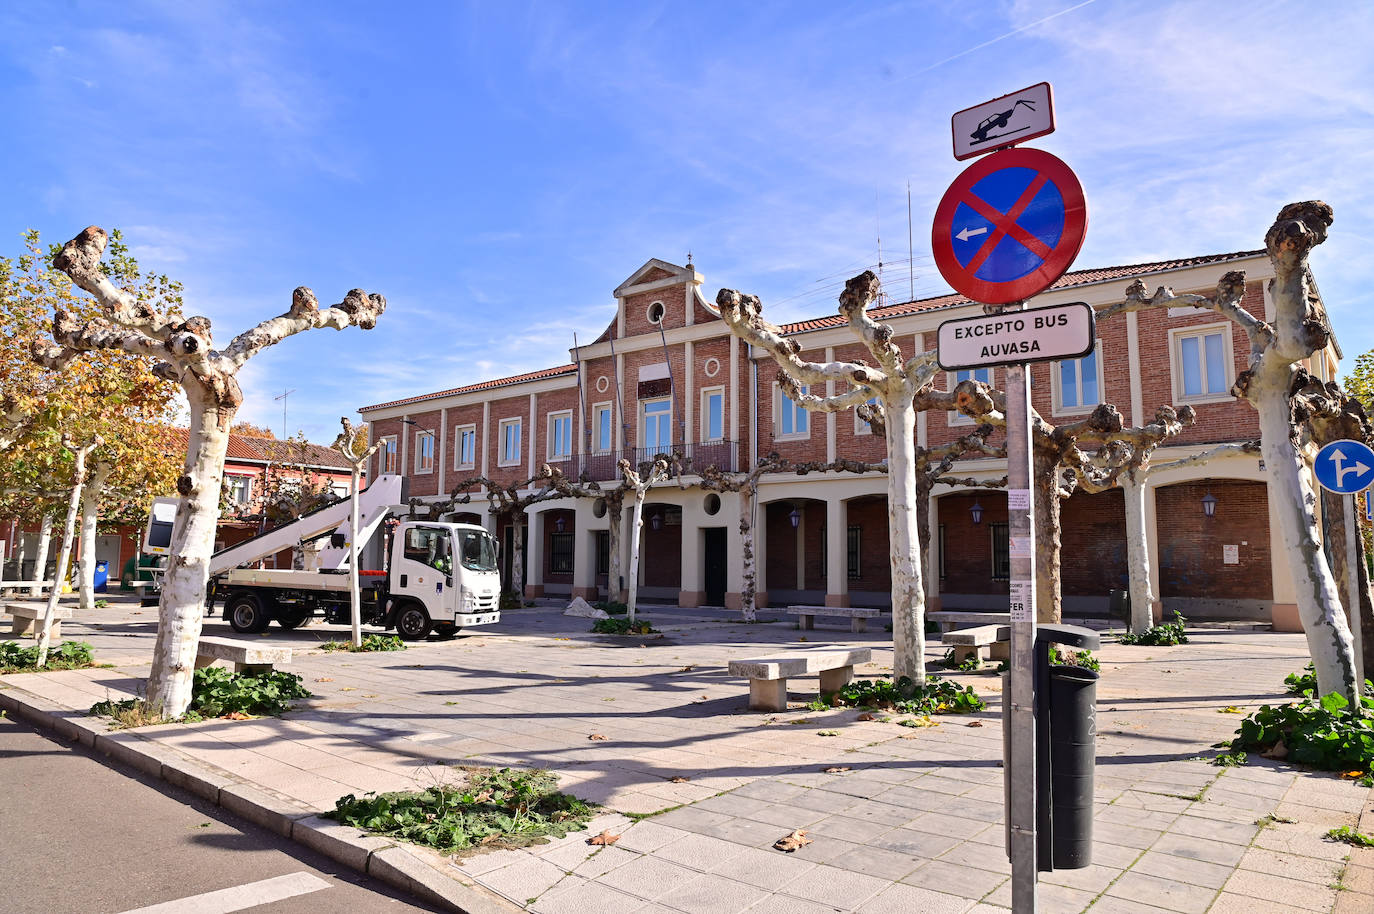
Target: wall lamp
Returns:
[977, 512]
[795, 517]
[1209, 505]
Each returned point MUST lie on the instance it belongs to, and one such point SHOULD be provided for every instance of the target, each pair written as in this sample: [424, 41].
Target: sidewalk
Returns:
[912, 825]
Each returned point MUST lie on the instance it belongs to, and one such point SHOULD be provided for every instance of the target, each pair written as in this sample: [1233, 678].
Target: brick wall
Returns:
[869, 514]
[1190, 544]
[968, 546]
[1093, 546]
[517, 407]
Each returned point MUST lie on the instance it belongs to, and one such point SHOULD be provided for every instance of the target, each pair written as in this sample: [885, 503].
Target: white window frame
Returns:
[643, 424]
[232, 478]
[706, 394]
[387, 456]
[956, 417]
[551, 423]
[458, 462]
[502, 459]
[861, 427]
[420, 468]
[781, 404]
[1176, 337]
[608, 408]
[1058, 408]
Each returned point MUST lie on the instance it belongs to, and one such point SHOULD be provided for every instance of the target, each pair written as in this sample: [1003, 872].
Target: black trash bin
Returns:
[1073, 734]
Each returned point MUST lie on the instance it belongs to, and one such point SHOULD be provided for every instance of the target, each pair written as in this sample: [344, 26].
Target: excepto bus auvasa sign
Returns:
[1035, 335]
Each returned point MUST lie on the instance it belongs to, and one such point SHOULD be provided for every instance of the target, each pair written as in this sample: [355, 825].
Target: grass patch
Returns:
[1231, 760]
[505, 808]
[934, 696]
[69, 655]
[615, 626]
[970, 664]
[373, 642]
[1348, 835]
[1162, 635]
[215, 692]
[1270, 820]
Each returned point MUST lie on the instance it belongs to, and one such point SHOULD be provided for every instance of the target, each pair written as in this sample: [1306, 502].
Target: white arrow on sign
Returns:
[1338, 458]
[968, 233]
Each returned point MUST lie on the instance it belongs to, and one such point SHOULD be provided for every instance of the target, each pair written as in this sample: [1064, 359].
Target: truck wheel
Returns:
[412, 622]
[246, 614]
[289, 619]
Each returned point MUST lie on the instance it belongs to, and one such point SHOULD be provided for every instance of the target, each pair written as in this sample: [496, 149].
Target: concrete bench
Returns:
[25, 585]
[245, 656]
[986, 642]
[951, 619]
[27, 617]
[768, 675]
[858, 616]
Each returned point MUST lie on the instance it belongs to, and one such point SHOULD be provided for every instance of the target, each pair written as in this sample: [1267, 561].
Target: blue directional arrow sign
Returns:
[1345, 467]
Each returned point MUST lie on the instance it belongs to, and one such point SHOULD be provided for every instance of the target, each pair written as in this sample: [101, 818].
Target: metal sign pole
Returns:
[1020, 760]
[1352, 531]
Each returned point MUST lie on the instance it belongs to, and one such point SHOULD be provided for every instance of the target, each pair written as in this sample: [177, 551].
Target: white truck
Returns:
[417, 576]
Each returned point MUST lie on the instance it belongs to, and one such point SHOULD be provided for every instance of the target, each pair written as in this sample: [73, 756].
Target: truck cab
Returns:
[448, 572]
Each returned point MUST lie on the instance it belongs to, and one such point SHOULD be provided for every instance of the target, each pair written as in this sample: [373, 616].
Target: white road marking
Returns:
[240, 897]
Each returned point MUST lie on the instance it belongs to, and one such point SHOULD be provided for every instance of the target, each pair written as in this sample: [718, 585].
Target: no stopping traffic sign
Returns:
[1009, 226]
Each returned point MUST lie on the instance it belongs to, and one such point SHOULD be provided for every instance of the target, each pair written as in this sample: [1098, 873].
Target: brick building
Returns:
[666, 373]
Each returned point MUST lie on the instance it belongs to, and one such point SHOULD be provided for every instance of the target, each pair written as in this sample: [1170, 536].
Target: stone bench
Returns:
[986, 642]
[25, 585]
[244, 655]
[768, 675]
[28, 616]
[858, 616]
[949, 620]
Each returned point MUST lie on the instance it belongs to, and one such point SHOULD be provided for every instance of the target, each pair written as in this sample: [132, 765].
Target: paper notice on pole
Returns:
[1020, 546]
[1018, 499]
[1021, 593]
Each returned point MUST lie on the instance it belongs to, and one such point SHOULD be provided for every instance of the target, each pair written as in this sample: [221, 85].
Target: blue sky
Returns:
[496, 169]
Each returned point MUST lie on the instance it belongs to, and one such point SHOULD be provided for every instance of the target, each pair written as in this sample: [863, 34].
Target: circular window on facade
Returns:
[599, 507]
[656, 312]
[712, 504]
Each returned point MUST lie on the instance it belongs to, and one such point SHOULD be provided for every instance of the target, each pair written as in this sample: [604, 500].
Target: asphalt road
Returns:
[80, 836]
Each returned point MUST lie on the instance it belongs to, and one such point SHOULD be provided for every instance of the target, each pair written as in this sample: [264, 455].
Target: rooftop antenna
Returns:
[910, 250]
[877, 227]
[282, 398]
[689, 258]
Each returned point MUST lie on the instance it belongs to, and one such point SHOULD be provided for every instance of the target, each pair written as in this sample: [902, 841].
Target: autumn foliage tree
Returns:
[183, 351]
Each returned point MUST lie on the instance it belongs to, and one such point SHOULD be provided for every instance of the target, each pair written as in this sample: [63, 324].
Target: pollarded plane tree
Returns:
[1272, 384]
[80, 454]
[893, 382]
[1126, 462]
[511, 500]
[183, 351]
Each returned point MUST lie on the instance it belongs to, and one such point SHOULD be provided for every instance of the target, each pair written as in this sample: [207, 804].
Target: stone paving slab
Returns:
[913, 824]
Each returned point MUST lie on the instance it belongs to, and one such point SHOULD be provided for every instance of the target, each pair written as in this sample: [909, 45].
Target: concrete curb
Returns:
[383, 859]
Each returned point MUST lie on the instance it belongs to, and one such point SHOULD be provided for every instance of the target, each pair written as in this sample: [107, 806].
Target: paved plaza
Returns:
[699, 788]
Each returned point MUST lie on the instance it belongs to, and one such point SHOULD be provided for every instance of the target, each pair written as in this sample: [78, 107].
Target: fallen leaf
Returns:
[325, 679]
[835, 769]
[605, 839]
[1352, 774]
[802, 721]
[368, 695]
[679, 779]
[827, 732]
[348, 689]
[685, 669]
[644, 645]
[596, 737]
[1230, 709]
[802, 638]
[865, 716]
[237, 715]
[792, 842]
[1280, 751]
[918, 722]
[974, 723]
[562, 639]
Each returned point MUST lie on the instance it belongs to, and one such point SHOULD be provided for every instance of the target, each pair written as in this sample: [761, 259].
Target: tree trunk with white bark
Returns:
[636, 540]
[64, 554]
[518, 520]
[749, 585]
[349, 445]
[908, 584]
[1137, 555]
[1048, 538]
[90, 519]
[40, 561]
[615, 523]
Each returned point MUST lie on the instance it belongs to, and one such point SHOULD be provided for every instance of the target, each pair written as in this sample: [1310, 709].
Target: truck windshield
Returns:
[478, 551]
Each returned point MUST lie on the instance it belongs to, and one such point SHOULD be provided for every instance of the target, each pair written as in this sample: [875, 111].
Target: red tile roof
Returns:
[539, 375]
[270, 450]
[1067, 281]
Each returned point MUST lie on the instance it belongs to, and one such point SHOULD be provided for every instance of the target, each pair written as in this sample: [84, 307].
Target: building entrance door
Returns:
[715, 565]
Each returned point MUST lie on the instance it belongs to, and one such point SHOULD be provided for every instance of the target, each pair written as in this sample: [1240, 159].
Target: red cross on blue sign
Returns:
[1009, 226]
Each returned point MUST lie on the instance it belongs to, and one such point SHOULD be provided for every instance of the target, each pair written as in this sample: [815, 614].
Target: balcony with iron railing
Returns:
[695, 455]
